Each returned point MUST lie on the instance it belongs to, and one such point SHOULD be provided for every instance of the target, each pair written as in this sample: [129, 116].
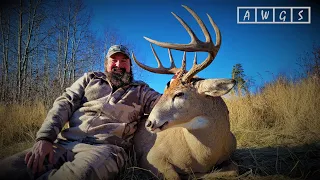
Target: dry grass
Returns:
[283, 113]
[19, 124]
[277, 130]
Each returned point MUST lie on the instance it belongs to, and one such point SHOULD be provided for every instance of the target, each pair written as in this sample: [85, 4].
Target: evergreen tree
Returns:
[239, 76]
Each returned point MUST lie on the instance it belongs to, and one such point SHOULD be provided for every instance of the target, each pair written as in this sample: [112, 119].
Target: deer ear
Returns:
[214, 87]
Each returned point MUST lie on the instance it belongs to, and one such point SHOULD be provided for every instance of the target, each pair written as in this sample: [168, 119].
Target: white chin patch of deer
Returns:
[198, 122]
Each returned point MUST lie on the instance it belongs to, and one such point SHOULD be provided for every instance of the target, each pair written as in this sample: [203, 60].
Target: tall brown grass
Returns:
[282, 113]
[19, 124]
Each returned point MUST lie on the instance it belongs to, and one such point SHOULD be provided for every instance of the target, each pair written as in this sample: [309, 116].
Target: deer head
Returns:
[188, 98]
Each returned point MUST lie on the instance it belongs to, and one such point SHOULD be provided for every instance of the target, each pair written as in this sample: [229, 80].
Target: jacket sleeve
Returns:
[62, 110]
[149, 98]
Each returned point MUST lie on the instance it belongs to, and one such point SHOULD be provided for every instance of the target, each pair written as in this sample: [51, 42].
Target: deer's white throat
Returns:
[198, 122]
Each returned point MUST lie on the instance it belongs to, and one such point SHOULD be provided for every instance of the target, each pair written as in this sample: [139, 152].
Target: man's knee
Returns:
[112, 160]
[93, 162]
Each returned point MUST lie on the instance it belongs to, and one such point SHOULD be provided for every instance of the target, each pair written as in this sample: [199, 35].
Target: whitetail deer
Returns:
[190, 129]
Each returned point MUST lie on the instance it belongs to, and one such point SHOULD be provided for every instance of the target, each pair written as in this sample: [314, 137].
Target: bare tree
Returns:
[29, 19]
[5, 35]
[71, 30]
[310, 63]
[45, 45]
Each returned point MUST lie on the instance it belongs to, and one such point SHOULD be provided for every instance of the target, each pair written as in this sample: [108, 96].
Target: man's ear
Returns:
[214, 87]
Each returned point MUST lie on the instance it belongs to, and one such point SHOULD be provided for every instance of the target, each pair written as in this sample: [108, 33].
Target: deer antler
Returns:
[160, 70]
[194, 46]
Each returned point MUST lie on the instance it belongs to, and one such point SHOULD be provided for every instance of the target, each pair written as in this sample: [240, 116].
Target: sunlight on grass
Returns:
[19, 123]
[283, 114]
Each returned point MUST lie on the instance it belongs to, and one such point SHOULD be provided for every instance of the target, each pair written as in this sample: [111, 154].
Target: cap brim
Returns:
[114, 52]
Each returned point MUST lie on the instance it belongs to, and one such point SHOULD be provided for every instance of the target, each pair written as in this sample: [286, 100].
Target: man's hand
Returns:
[129, 129]
[36, 157]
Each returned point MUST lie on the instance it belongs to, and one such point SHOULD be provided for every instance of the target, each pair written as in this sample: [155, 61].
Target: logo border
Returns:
[273, 20]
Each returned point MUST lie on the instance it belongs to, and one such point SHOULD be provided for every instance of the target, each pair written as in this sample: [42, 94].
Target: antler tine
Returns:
[172, 64]
[160, 70]
[181, 47]
[183, 66]
[156, 56]
[194, 38]
[195, 59]
[216, 29]
[212, 52]
[195, 45]
[200, 22]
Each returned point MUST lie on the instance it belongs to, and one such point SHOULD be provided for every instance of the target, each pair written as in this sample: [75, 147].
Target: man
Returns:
[102, 110]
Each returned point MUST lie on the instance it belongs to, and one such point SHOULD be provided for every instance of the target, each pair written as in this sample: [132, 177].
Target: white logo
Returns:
[273, 15]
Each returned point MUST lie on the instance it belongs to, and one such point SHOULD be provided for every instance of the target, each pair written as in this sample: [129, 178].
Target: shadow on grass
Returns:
[294, 162]
[299, 162]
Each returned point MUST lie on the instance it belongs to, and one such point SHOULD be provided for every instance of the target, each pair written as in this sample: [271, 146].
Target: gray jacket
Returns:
[95, 114]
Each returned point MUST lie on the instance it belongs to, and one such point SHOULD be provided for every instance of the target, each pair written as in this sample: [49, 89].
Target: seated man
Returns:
[102, 110]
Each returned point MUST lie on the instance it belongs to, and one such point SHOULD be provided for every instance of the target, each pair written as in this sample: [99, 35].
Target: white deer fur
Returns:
[197, 136]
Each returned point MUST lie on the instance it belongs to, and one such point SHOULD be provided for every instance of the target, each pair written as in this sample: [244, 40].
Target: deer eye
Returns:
[179, 94]
[168, 85]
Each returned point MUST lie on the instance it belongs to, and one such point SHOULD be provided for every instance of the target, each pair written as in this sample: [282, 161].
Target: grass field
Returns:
[277, 131]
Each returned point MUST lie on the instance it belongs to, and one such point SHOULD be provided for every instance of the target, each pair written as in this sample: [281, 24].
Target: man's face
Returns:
[118, 63]
[118, 70]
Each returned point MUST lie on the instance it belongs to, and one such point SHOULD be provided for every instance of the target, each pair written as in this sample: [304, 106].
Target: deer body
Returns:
[188, 130]
[197, 136]
[191, 151]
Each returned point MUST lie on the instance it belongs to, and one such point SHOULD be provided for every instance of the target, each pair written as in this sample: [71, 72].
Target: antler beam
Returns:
[194, 46]
[160, 70]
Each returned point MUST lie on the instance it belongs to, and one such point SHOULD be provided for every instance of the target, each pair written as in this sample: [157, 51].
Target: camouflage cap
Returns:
[118, 48]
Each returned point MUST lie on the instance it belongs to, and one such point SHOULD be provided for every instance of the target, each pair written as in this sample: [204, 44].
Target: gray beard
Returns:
[119, 79]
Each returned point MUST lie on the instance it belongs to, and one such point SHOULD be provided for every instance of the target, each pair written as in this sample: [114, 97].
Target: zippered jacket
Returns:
[95, 113]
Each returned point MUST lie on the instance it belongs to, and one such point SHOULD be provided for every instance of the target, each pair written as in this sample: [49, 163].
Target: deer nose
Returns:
[149, 124]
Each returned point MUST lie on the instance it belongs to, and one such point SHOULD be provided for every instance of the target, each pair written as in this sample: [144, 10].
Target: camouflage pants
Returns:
[74, 160]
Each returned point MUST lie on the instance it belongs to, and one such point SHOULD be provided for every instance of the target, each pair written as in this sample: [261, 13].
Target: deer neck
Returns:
[199, 127]
[205, 129]
[200, 139]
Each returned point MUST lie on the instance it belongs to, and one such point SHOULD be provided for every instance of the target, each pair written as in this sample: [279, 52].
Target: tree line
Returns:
[45, 45]
[309, 64]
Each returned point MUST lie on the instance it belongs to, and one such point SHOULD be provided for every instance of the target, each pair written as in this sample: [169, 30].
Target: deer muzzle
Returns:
[154, 126]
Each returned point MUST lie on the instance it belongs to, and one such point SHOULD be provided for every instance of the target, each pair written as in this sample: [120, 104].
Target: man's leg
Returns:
[14, 167]
[101, 161]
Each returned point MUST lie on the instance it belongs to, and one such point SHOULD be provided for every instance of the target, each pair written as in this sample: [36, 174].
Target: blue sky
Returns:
[264, 50]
